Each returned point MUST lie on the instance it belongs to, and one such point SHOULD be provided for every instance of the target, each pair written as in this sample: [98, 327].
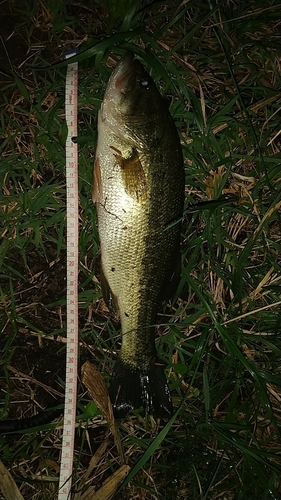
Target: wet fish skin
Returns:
[139, 195]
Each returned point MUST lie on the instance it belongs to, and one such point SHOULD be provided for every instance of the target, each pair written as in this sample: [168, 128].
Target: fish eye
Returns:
[145, 83]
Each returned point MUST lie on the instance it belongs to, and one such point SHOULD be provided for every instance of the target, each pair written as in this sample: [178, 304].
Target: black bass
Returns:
[139, 195]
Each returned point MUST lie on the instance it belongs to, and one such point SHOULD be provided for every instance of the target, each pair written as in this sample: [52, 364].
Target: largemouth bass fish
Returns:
[139, 195]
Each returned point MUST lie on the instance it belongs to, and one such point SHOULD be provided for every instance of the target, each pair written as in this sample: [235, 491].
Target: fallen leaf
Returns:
[94, 382]
[8, 486]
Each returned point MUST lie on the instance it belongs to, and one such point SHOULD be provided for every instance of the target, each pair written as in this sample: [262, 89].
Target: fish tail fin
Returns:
[132, 388]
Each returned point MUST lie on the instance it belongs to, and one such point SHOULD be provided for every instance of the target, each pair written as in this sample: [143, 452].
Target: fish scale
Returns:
[139, 194]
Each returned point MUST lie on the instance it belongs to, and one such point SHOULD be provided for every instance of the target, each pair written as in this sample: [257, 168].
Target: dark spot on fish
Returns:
[125, 227]
[113, 269]
[126, 314]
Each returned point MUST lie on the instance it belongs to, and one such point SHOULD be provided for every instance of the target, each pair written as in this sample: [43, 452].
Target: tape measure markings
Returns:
[72, 198]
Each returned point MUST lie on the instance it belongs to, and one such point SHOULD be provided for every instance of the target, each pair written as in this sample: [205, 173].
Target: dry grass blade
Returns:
[250, 313]
[94, 461]
[109, 486]
[8, 486]
[254, 108]
[36, 382]
[92, 465]
[93, 380]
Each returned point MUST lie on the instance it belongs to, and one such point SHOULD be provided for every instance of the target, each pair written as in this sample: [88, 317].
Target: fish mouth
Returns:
[124, 75]
[120, 96]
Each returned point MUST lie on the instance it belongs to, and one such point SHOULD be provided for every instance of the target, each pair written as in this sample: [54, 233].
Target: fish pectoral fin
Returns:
[133, 388]
[108, 295]
[97, 187]
[133, 174]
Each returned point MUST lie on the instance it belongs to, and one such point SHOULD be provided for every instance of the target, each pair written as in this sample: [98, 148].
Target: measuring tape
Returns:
[71, 98]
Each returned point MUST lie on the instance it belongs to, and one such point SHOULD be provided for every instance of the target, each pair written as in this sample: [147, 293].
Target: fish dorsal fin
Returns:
[133, 174]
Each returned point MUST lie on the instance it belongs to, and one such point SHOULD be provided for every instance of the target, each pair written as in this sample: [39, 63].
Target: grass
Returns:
[219, 65]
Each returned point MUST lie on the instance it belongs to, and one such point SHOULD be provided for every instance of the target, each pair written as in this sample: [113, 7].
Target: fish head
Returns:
[131, 93]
